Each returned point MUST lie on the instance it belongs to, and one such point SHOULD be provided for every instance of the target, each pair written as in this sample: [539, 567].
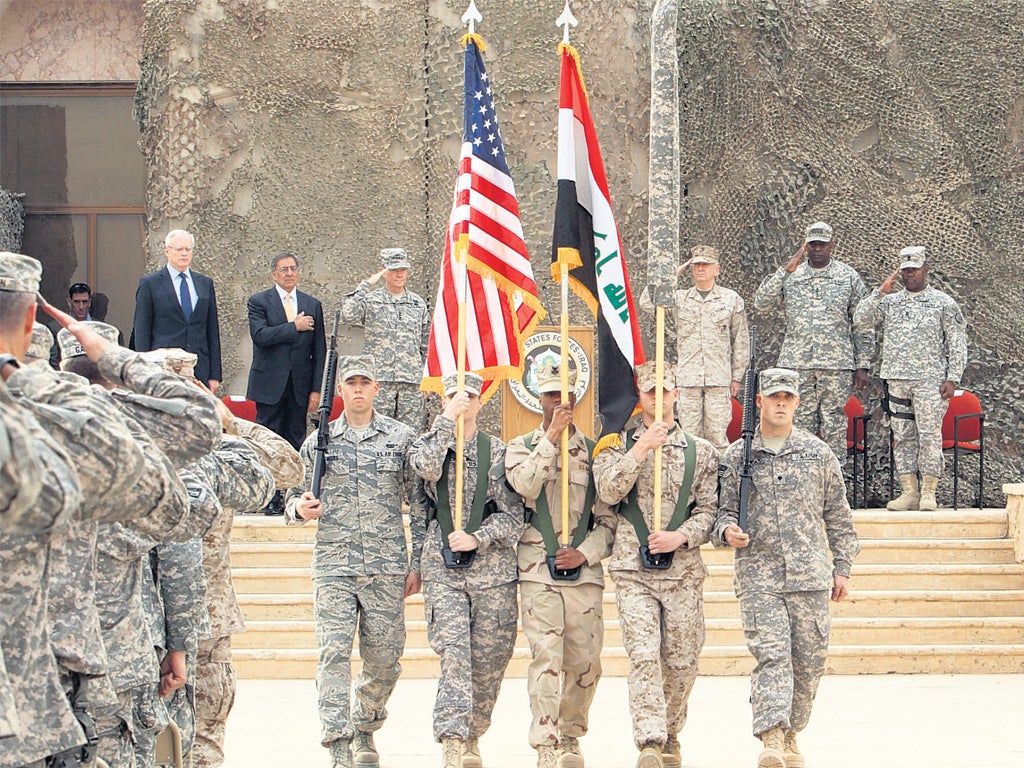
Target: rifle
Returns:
[323, 430]
[747, 428]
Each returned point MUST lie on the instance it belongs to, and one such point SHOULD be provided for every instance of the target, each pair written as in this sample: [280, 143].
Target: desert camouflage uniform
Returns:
[563, 620]
[360, 563]
[712, 351]
[397, 332]
[470, 612]
[822, 343]
[796, 514]
[924, 343]
[660, 612]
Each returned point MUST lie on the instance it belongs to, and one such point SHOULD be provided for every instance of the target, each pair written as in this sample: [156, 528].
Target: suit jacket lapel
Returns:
[172, 294]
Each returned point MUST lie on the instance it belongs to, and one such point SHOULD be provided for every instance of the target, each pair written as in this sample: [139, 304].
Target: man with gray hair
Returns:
[397, 325]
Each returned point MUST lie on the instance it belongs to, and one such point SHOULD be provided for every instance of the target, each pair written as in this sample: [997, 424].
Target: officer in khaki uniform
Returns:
[562, 618]
[660, 611]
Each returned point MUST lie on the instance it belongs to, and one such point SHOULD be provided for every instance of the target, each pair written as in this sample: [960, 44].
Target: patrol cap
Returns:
[41, 344]
[774, 380]
[69, 346]
[350, 366]
[645, 379]
[173, 360]
[818, 232]
[703, 254]
[549, 379]
[19, 273]
[912, 257]
[451, 383]
[395, 258]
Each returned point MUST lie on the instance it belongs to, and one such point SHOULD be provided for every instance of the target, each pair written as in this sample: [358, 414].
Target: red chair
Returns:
[857, 445]
[732, 434]
[240, 407]
[963, 433]
[337, 407]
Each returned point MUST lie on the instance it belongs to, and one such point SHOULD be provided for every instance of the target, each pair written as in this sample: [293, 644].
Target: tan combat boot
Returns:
[341, 753]
[569, 754]
[910, 498]
[650, 757]
[772, 756]
[670, 754]
[547, 756]
[451, 752]
[792, 753]
[471, 754]
[364, 753]
[928, 484]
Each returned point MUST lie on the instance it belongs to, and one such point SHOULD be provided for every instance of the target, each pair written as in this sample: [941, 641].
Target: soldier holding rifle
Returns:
[361, 570]
[797, 513]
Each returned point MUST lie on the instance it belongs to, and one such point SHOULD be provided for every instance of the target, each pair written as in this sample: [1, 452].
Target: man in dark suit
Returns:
[289, 348]
[176, 307]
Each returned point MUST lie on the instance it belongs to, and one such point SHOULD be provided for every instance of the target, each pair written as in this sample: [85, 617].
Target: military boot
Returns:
[364, 753]
[670, 754]
[650, 757]
[569, 755]
[451, 752]
[471, 754]
[547, 757]
[772, 756]
[910, 498]
[792, 753]
[928, 484]
[341, 753]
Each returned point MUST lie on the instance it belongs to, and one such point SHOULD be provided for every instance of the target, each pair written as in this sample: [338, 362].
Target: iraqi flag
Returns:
[587, 239]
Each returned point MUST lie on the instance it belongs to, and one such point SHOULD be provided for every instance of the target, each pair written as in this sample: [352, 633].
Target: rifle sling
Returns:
[541, 519]
[629, 508]
[443, 513]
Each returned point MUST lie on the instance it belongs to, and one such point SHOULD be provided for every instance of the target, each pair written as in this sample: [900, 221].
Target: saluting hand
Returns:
[92, 343]
[794, 262]
[373, 279]
[683, 266]
[889, 282]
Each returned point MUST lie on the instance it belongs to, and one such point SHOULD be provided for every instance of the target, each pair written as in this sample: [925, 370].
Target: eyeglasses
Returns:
[287, 269]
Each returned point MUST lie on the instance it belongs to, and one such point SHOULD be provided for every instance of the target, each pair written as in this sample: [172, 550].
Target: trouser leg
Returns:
[381, 642]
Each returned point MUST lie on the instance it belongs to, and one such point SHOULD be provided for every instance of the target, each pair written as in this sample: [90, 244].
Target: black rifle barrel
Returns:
[323, 430]
[747, 428]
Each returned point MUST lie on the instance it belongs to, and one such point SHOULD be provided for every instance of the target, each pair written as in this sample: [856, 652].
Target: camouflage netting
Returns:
[332, 129]
[12, 220]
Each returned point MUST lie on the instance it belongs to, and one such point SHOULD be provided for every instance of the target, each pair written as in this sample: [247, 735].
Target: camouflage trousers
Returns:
[823, 398]
[705, 412]
[787, 634]
[662, 623]
[474, 633]
[917, 442]
[403, 401]
[140, 715]
[565, 627]
[373, 605]
[215, 695]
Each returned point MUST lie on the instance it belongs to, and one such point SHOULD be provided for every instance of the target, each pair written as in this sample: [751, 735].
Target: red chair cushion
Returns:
[240, 407]
[970, 429]
[854, 409]
[732, 434]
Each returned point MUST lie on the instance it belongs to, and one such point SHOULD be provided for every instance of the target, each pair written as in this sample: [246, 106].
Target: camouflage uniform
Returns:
[397, 332]
[821, 342]
[563, 620]
[470, 612]
[712, 347]
[660, 612]
[360, 562]
[796, 514]
[924, 343]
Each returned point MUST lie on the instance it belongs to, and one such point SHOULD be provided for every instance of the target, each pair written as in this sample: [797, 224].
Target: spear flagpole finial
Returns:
[565, 21]
[472, 16]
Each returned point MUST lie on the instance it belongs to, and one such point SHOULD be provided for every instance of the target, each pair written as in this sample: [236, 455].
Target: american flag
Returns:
[502, 306]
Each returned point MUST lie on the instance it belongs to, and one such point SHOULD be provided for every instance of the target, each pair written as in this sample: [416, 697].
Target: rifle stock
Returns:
[323, 433]
[747, 428]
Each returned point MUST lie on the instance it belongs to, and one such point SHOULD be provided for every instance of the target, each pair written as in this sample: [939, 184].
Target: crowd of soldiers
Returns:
[120, 477]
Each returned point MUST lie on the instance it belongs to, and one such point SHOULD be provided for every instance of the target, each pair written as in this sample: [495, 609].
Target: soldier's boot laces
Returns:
[650, 757]
[364, 753]
[547, 757]
[928, 485]
[910, 498]
[773, 755]
[451, 752]
[471, 754]
[569, 754]
[792, 752]
[670, 754]
[341, 754]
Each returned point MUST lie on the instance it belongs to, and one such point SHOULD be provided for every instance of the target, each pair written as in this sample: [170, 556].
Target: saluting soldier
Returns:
[470, 610]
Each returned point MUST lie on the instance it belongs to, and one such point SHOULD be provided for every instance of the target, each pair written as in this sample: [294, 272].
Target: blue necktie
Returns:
[186, 297]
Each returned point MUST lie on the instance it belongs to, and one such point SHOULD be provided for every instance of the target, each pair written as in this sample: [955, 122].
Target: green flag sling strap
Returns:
[541, 519]
[443, 513]
[629, 508]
